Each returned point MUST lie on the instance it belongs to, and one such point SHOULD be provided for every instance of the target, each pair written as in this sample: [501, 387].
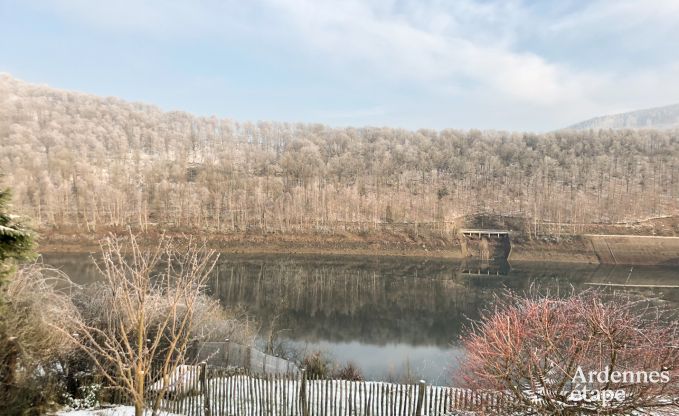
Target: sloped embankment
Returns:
[629, 249]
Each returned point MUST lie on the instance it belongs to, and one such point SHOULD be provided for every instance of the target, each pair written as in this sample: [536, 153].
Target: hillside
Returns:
[82, 162]
[652, 118]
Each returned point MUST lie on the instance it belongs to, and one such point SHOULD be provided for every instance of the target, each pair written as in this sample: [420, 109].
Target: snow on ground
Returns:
[112, 411]
[241, 394]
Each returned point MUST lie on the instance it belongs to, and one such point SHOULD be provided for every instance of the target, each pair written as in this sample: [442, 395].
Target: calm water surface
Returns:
[394, 318]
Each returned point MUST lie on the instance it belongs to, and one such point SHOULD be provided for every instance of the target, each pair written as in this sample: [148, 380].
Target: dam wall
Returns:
[642, 250]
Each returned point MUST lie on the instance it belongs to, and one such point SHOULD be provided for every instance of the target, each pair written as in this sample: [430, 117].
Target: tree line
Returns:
[82, 161]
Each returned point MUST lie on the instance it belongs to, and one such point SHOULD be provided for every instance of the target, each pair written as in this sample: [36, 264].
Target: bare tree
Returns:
[60, 150]
[564, 356]
[151, 300]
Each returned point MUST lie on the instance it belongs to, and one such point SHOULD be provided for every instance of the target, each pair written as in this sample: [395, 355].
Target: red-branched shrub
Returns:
[536, 349]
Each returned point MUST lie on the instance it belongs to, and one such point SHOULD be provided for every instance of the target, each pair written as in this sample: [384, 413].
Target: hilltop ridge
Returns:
[666, 117]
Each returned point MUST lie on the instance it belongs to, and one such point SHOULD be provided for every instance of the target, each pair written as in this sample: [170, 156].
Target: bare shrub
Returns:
[533, 348]
[145, 313]
[349, 372]
[37, 299]
[317, 366]
[214, 322]
[211, 320]
[321, 366]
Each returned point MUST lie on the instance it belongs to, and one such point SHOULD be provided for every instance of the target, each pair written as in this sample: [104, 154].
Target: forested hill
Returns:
[80, 160]
[652, 118]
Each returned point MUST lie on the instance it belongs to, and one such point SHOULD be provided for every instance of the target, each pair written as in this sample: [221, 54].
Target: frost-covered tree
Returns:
[90, 163]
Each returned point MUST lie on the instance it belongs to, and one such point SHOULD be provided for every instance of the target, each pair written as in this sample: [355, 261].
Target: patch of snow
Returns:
[111, 411]
[183, 380]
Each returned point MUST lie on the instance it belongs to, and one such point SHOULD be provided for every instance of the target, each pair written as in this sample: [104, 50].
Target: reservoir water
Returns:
[394, 318]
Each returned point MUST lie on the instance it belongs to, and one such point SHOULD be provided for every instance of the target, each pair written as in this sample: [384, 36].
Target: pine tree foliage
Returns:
[16, 240]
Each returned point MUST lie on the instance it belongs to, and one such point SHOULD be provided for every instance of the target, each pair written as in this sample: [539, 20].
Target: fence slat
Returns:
[317, 396]
[234, 399]
[383, 400]
[439, 400]
[420, 398]
[192, 375]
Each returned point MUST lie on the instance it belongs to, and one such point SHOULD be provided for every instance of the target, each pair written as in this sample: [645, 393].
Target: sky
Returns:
[507, 65]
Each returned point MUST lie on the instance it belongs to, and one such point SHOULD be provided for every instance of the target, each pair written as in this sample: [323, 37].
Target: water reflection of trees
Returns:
[380, 300]
[376, 301]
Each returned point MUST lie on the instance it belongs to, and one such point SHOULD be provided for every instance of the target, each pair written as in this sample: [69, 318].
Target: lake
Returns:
[395, 318]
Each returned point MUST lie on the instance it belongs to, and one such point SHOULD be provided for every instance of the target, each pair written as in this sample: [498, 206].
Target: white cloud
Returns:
[428, 43]
[619, 16]
[438, 55]
[461, 49]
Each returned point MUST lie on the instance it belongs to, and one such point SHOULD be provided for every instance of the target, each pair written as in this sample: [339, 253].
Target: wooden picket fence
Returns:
[215, 391]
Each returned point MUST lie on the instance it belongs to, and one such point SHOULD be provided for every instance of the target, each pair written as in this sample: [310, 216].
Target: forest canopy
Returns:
[80, 160]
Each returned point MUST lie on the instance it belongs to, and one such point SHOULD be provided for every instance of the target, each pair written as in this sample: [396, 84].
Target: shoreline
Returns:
[582, 249]
[551, 256]
[304, 244]
[85, 246]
